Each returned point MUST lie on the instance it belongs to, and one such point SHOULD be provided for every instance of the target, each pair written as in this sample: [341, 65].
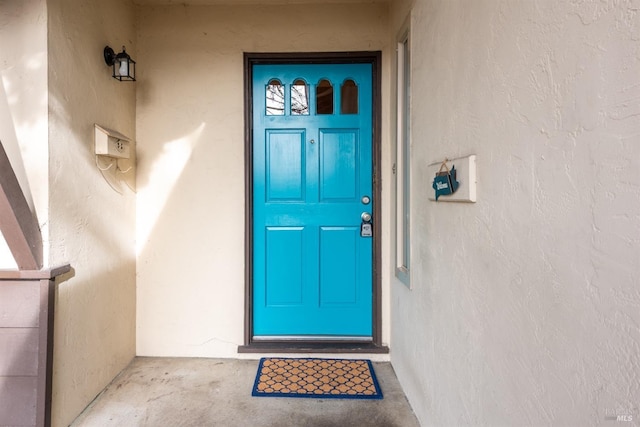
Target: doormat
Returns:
[319, 378]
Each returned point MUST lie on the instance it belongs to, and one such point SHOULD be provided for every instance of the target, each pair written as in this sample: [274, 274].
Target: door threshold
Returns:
[312, 338]
[312, 347]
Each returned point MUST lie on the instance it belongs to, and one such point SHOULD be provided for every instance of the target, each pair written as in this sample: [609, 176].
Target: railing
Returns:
[27, 302]
[18, 223]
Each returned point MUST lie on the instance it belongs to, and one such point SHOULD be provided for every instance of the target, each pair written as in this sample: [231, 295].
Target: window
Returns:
[275, 98]
[324, 97]
[298, 102]
[349, 98]
[403, 176]
[299, 98]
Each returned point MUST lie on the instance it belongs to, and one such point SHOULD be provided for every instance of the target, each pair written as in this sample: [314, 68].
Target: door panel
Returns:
[338, 265]
[285, 165]
[312, 269]
[339, 165]
[283, 251]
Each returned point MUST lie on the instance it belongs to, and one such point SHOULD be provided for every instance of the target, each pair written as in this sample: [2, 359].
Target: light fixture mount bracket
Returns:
[109, 56]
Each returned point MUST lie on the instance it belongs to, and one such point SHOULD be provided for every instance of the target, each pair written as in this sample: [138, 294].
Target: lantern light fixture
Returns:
[124, 68]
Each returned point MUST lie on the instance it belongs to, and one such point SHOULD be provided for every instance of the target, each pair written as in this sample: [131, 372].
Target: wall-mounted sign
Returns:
[445, 182]
[465, 175]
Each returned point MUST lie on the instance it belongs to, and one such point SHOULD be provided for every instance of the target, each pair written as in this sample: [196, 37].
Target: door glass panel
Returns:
[275, 98]
[349, 98]
[299, 98]
[324, 97]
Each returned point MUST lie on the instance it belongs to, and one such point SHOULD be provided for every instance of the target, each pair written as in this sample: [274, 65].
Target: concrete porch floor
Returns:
[217, 392]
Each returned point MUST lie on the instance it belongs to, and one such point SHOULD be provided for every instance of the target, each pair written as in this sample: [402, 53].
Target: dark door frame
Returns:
[251, 346]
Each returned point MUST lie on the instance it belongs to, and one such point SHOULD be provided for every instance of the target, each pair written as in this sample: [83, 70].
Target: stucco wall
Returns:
[190, 128]
[525, 307]
[23, 104]
[91, 226]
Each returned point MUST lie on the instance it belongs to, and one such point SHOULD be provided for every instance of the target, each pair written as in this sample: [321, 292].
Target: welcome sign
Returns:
[445, 182]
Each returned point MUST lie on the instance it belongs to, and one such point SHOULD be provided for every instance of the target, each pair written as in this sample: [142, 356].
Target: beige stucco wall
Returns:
[23, 104]
[91, 226]
[524, 305]
[524, 308]
[190, 129]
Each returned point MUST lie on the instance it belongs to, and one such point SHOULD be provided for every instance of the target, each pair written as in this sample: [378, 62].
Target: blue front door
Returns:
[312, 181]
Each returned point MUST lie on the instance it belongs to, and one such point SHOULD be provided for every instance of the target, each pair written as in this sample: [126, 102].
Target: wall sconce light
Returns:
[124, 68]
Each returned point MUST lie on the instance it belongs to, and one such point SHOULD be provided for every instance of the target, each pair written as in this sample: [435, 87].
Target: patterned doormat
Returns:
[320, 378]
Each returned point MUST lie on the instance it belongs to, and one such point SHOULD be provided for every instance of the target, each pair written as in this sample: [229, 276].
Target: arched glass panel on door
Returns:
[275, 98]
[324, 97]
[299, 98]
[349, 97]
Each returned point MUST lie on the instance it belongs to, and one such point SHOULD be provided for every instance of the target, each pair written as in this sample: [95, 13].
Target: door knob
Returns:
[366, 228]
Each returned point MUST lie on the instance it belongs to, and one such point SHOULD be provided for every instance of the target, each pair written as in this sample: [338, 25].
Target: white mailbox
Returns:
[111, 143]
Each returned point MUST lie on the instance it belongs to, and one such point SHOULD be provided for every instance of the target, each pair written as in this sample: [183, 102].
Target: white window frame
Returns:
[403, 147]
